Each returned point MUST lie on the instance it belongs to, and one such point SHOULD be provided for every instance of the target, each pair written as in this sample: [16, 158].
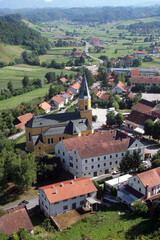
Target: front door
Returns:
[95, 174]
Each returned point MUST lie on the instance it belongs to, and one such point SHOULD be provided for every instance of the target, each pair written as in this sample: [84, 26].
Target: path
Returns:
[88, 55]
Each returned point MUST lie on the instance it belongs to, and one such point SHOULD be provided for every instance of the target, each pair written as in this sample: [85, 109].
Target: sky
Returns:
[16, 4]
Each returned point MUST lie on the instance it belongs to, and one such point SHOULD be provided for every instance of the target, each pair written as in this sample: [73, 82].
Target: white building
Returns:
[142, 186]
[120, 88]
[65, 196]
[95, 154]
[117, 182]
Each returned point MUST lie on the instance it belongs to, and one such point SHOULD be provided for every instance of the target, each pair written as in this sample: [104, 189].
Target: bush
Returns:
[113, 192]
[140, 208]
[94, 118]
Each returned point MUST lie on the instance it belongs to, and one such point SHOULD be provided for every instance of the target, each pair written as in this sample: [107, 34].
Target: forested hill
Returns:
[13, 31]
[102, 14]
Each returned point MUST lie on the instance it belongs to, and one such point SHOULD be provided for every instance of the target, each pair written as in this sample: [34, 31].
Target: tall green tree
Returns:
[156, 130]
[110, 118]
[148, 127]
[119, 118]
[10, 86]
[25, 82]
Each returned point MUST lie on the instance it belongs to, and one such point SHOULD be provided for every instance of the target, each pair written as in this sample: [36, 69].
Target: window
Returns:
[116, 162]
[63, 138]
[49, 141]
[92, 166]
[58, 151]
[63, 160]
[52, 141]
[60, 139]
[42, 203]
[116, 155]
[76, 160]
[110, 156]
[139, 189]
[92, 160]
[135, 145]
[46, 206]
[71, 164]
[110, 163]
[98, 165]
[81, 202]
[98, 158]
[65, 207]
[71, 158]
[122, 154]
[104, 164]
[86, 168]
[76, 167]
[65, 200]
[74, 152]
[138, 181]
[73, 197]
[134, 179]
[88, 194]
[86, 161]
[104, 157]
[29, 137]
[39, 148]
[63, 154]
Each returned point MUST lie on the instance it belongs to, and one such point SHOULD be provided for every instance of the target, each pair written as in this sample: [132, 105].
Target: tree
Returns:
[51, 77]
[140, 208]
[156, 130]
[131, 162]
[10, 86]
[119, 118]
[25, 82]
[148, 127]
[125, 164]
[110, 118]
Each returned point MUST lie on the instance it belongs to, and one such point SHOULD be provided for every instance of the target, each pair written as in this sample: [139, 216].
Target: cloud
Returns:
[48, 0]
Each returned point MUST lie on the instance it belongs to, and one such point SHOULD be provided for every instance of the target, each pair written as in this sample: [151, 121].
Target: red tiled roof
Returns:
[23, 119]
[63, 80]
[95, 73]
[105, 97]
[121, 85]
[97, 144]
[153, 197]
[151, 177]
[131, 95]
[13, 221]
[69, 189]
[76, 85]
[144, 106]
[145, 79]
[58, 99]
[139, 118]
[139, 52]
[45, 106]
[135, 72]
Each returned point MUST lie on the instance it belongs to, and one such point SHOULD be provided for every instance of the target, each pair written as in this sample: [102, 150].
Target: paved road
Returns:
[88, 55]
[32, 203]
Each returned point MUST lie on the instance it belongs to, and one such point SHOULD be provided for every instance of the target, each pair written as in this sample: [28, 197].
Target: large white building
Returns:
[65, 196]
[95, 154]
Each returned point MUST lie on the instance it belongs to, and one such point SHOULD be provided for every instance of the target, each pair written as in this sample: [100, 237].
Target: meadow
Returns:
[9, 52]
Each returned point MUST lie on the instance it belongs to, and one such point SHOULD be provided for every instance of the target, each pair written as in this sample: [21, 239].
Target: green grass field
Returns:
[8, 52]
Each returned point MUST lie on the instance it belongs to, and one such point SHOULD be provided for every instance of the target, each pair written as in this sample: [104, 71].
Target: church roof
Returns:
[84, 91]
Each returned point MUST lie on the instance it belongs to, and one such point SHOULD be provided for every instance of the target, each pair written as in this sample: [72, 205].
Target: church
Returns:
[43, 132]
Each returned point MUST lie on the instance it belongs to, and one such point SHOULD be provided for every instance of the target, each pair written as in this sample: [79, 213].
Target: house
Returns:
[45, 131]
[117, 182]
[14, 220]
[62, 80]
[101, 96]
[136, 121]
[65, 196]
[120, 88]
[22, 120]
[131, 95]
[65, 96]
[133, 73]
[148, 81]
[58, 101]
[95, 154]
[144, 106]
[139, 53]
[77, 54]
[75, 87]
[45, 106]
[145, 185]
[70, 94]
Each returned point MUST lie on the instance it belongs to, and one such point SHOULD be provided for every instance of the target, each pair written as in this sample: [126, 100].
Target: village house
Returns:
[22, 120]
[62, 80]
[15, 219]
[45, 131]
[65, 196]
[139, 53]
[75, 87]
[148, 81]
[120, 88]
[57, 101]
[142, 186]
[45, 106]
[65, 96]
[95, 154]
[77, 54]
[133, 73]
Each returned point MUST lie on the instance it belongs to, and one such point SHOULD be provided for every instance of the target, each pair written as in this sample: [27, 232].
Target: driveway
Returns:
[101, 114]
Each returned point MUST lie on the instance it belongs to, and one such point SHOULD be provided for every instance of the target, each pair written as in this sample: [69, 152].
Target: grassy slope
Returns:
[9, 52]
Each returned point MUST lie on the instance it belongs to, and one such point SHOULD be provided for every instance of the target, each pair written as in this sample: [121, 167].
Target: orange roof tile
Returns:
[144, 106]
[45, 106]
[58, 99]
[69, 189]
[151, 177]
[63, 80]
[121, 85]
[76, 85]
[25, 118]
[12, 222]
[135, 72]
[145, 79]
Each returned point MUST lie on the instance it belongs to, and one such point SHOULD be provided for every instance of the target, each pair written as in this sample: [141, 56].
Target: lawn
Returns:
[115, 223]
[9, 52]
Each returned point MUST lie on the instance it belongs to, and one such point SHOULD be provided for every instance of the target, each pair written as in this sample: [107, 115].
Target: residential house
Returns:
[70, 94]
[145, 184]
[45, 106]
[77, 54]
[148, 81]
[62, 80]
[147, 107]
[117, 182]
[65, 96]
[45, 131]
[95, 154]
[79, 44]
[133, 73]
[22, 120]
[75, 87]
[15, 219]
[131, 95]
[139, 53]
[120, 88]
[101, 95]
[65, 196]
[57, 101]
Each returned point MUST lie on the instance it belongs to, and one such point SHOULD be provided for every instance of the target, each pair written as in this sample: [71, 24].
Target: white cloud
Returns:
[48, 0]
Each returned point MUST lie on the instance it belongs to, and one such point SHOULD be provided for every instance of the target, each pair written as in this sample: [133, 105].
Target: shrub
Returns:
[140, 208]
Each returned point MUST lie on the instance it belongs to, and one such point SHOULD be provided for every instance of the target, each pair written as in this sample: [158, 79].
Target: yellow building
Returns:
[45, 131]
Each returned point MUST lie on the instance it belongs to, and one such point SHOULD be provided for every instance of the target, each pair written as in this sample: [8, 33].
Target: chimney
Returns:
[118, 187]
[72, 182]
[147, 191]
[75, 177]
[56, 191]
[62, 184]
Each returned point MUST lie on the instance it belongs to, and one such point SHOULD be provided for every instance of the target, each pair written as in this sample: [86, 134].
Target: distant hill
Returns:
[101, 14]
[13, 31]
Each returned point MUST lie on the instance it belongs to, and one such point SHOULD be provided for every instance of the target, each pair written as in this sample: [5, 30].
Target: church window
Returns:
[60, 139]
[86, 107]
[49, 141]
[52, 141]
[29, 137]
[63, 138]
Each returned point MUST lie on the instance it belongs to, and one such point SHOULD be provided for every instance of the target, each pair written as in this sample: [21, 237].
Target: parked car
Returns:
[23, 202]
